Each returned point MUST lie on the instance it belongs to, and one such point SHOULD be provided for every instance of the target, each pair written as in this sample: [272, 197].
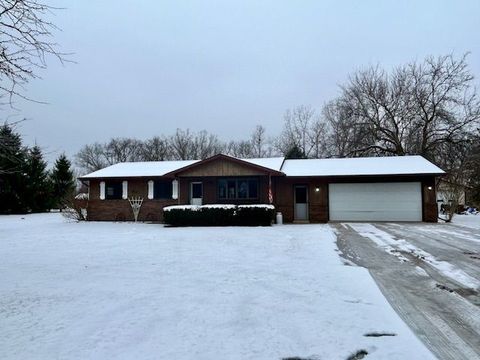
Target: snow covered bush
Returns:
[219, 215]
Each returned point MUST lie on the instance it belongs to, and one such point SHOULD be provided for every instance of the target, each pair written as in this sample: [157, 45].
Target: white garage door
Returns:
[375, 202]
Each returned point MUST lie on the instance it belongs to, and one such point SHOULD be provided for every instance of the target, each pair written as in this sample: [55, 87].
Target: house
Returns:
[303, 190]
[451, 192]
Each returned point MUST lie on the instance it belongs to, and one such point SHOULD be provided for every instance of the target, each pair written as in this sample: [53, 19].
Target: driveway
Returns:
[430, 274]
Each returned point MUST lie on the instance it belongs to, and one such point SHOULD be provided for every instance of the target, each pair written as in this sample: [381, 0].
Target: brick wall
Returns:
[283, 193]
[120, 210]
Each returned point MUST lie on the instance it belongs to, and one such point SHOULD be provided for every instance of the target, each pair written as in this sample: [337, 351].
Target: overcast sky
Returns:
[145, 68]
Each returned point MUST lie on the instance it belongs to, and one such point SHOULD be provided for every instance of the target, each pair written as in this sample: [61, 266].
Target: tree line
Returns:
[25, 183]
[429, 108]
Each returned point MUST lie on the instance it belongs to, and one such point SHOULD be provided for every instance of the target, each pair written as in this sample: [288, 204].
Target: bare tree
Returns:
[317, 137]
[205, 145]
[447, 105]
[240, 149]
[379, 104]
[182, 144]
[25, 43]
[187, 145]
[156, 149]
[123, 150]
[91, 157]
[343, 136]
[304, 130]
[416, 109]
[258, 141]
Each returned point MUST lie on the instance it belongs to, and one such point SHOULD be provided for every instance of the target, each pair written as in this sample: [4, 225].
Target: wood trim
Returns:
[228, 158]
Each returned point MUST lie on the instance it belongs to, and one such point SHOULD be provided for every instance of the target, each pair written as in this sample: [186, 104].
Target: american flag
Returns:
[270, 194]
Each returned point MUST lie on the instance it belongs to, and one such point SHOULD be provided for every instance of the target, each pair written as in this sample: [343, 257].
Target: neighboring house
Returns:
[446, 191]
[304, 190]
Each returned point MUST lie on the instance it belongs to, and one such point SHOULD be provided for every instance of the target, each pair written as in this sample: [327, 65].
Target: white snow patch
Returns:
[274, 163]
[139, 169]
[392, 245]
[450, 230]
[217, 206]
[470, 221]
[259, 206]
[421, 271]
[82, 196]
[131, 290]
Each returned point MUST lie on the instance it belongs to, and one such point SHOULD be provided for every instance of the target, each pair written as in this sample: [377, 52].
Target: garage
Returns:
[396, 201]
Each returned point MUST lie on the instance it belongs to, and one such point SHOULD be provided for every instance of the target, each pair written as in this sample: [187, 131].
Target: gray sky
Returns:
[147, 67]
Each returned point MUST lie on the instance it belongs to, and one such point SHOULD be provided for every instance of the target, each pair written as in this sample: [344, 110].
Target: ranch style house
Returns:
[398, 188]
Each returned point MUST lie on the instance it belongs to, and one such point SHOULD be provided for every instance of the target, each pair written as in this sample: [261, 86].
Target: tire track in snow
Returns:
[396, 246]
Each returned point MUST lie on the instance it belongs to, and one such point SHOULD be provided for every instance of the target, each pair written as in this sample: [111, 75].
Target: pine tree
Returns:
[38, 187]
[295, 153]
[62, 180]
[12, 176]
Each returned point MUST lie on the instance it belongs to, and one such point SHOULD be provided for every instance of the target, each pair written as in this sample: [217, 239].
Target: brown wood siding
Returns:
[283, 198]
[429, 199]
[221, 167]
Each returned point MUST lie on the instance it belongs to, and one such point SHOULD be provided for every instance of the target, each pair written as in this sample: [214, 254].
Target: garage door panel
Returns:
[375, 202]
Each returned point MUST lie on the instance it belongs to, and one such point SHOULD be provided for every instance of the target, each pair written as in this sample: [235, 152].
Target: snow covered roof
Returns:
[139, 168]
[274, 163]
[390, 165]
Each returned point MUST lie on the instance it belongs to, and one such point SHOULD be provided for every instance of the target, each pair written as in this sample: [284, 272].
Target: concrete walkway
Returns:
[443, 313]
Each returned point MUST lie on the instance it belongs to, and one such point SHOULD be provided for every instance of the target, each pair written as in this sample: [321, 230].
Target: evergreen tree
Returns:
[38, 187]
[295, 153]
[12, 176]
[62, 180]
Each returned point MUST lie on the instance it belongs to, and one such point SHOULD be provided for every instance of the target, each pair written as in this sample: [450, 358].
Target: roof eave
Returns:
[368, 175]
[222, 156]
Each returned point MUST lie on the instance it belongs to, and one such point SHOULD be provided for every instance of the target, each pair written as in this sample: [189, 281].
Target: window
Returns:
[113, 190]
[162, 189]
[197, 190]
[253, 188]
[241, 188]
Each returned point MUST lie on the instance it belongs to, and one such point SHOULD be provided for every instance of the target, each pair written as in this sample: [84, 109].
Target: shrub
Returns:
[255, 215]
[219, 215]
[75, 207]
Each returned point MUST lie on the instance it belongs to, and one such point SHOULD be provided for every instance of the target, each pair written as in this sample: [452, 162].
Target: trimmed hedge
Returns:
[219, 215]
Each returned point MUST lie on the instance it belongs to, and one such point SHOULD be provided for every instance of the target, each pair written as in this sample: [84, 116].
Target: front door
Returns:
[196, 193]
[301, 202]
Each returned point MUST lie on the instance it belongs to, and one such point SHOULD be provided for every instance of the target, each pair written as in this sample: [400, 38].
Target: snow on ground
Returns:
[123, 290]
[398, 247]
[471, 221]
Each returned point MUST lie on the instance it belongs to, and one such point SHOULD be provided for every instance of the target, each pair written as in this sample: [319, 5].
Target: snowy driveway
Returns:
[431, 275]
[140, 291]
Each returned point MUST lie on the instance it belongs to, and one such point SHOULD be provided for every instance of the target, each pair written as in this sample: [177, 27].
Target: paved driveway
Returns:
[430, 273]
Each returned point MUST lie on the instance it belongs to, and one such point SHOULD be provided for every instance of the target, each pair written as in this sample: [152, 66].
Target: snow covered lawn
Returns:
[139, 291]
[471, 221]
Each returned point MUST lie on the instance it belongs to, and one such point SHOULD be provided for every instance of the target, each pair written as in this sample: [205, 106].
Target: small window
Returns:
[253, 188]
[222, 189]
[242, 189]
[113, 190]
[162, 189]
[232, 189]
